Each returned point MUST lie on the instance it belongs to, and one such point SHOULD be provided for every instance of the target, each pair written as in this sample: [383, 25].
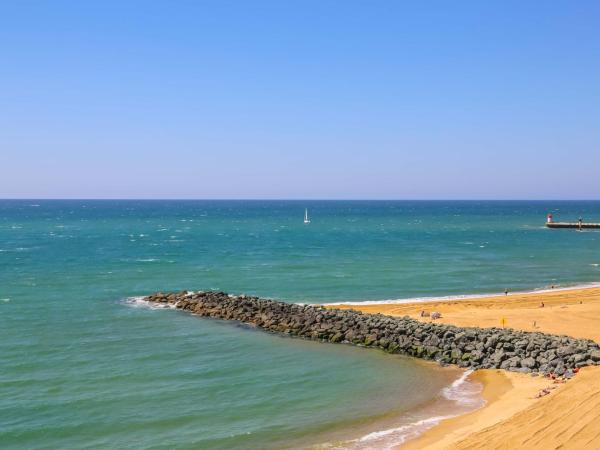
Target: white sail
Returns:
[306, 219]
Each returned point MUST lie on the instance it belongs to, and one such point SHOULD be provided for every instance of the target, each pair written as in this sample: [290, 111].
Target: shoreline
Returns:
[505, 394]
[514, 417]
[462, 395]
[460, 297]
[512, 413]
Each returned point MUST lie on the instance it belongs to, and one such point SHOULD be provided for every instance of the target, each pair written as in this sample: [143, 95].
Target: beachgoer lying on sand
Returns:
[542, 393]
[435, 315]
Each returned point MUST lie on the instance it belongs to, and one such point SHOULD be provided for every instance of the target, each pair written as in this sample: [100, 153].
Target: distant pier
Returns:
[579, 225]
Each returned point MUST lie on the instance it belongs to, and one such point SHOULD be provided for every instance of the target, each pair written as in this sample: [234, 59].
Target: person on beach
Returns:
[542, 305]
[505, 291]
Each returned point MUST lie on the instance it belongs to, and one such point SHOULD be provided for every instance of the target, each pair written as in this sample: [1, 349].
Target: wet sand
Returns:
[569, 417]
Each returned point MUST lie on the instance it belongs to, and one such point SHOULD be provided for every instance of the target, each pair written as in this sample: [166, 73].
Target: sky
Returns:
[300, 99]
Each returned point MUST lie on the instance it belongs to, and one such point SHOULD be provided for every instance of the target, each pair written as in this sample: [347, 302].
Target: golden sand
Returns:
[513, 418]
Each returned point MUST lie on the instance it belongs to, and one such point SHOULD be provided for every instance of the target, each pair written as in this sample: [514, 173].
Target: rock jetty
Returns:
[476, 348]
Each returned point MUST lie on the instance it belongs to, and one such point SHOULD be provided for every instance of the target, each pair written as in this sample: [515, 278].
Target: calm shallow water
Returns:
[82, 368]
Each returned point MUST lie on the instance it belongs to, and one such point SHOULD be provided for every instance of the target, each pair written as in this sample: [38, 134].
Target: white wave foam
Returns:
[390, 438]
[139, 302]
[5, 300]
[148, 260]
[464, 392]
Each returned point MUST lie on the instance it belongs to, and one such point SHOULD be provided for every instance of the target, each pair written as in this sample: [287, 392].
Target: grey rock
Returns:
[566, 350]
[528, 362]
[466, 347]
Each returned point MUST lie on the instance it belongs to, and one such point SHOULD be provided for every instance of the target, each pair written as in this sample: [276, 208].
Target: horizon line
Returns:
[302, 199]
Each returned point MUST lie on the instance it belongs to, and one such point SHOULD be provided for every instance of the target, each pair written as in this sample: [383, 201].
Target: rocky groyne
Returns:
[475, 348]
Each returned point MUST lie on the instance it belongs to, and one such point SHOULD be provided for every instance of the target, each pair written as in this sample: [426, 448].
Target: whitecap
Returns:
[5, 300]
[148, 260]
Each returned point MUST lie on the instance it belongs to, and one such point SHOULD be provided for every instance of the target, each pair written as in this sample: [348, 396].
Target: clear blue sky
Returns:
[282, 99]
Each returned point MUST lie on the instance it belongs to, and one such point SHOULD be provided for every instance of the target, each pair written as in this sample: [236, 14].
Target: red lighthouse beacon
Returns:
[549, 219]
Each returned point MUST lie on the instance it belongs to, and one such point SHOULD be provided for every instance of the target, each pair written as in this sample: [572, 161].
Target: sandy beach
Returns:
[513, 416]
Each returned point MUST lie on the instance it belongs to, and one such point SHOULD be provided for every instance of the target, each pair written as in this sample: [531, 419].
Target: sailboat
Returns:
[306, 219]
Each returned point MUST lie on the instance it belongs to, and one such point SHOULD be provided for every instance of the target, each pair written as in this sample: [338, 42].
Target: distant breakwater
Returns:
[476, 348]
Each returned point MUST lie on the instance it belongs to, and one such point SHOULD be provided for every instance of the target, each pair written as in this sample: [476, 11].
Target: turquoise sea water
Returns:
[83, 367]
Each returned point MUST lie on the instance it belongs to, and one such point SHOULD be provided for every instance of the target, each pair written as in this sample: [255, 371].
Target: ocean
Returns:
[84, 364]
